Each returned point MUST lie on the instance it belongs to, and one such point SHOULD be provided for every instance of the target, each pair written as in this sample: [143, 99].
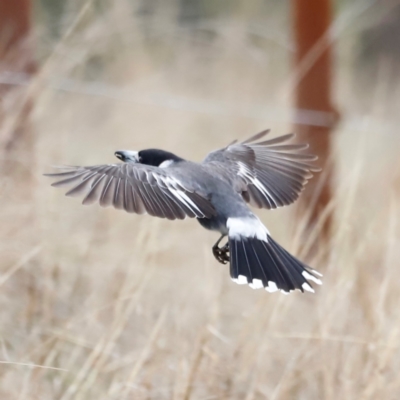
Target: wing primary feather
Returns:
[80, 177]
[279, 139]
[257, 136]
[129, 203]
[281, 179]
[169, 208]
[107, 196]
[74, 172]
[157, 205]
[296, 156]
[291, 166]
[286, 147]
[280, 189]
[231, 143]
[182, 202]
[81, 188]
[176, 204]
[146, 201]
[139, 204]
[95, 191]
[119, 195]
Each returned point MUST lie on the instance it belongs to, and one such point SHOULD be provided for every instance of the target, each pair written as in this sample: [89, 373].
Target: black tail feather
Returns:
[267, 264]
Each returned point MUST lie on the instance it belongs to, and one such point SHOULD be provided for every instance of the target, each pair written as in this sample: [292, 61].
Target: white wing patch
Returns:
[245, 172]
[172, 185]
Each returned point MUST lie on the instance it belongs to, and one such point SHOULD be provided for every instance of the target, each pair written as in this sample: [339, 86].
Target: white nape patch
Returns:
[241, 280]
[247, 227]
[166, 164]
[271, 287]
[257, 284]
[307, 287]
[312, 278]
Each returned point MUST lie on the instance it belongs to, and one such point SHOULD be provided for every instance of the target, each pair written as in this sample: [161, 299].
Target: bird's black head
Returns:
[156, 157]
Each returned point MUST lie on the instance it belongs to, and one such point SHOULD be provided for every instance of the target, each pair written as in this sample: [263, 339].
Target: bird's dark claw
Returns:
[221, 253]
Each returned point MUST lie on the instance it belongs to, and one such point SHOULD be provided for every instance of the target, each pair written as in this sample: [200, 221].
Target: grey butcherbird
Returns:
[265, 174]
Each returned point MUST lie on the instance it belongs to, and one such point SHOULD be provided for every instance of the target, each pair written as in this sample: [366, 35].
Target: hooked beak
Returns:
[127, 156]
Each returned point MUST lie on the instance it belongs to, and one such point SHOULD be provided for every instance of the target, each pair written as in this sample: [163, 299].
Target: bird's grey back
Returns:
[215, 183]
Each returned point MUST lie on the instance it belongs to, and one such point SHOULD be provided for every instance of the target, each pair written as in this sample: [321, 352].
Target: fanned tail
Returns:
[256, 259]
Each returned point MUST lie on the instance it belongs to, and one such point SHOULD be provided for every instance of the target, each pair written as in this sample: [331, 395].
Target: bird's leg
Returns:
[221, 253]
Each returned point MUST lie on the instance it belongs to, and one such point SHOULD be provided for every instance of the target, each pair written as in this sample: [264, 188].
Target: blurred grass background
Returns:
[98, 304]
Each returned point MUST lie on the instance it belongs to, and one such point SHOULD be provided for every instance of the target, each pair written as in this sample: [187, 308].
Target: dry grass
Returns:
[97, 304]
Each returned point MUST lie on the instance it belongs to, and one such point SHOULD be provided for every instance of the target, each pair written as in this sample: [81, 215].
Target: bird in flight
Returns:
[262, 173]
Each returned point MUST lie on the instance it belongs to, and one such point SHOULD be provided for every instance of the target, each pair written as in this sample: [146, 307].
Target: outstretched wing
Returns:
[135, 188]
[269, 173]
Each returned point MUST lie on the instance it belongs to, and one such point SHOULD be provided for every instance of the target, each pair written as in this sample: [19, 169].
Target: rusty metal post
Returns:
[315, 115]
[16, 59]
